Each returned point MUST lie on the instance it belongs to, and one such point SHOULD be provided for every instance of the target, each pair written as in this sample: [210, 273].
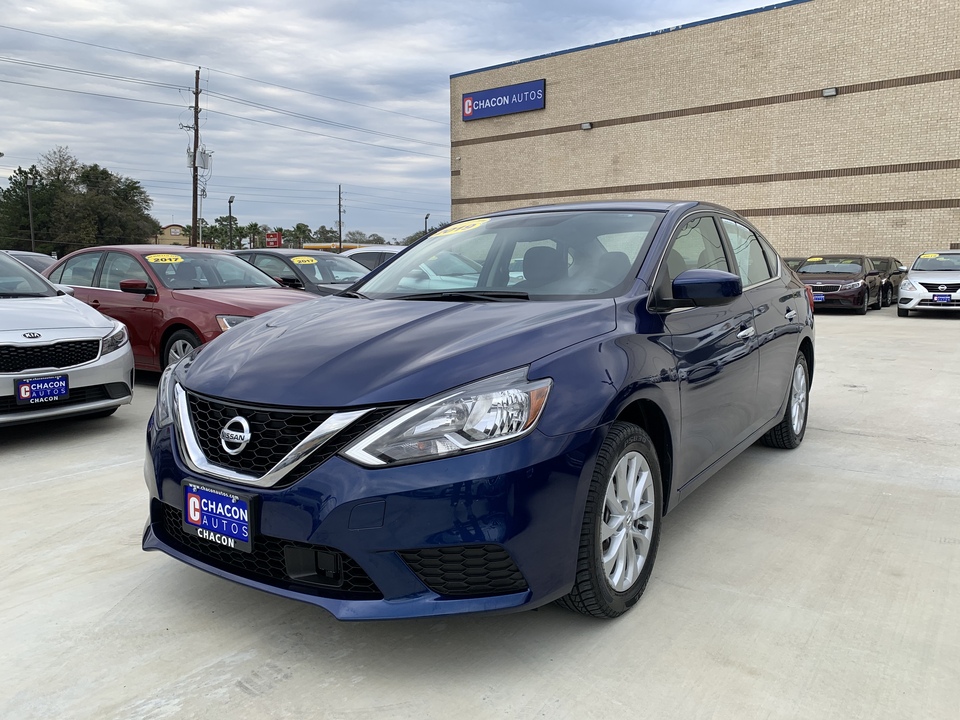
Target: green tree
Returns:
[323, 234]
[300, 234]
[413, 237]
[74, 205]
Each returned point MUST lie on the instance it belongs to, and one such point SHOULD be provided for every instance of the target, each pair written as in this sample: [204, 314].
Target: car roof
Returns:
[289, 252]
[621, 205]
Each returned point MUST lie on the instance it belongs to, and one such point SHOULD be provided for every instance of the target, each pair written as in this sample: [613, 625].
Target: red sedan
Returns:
[172, 299]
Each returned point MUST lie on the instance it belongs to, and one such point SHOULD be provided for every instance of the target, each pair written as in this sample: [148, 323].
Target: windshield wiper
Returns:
[19, 295]
[352, 293]
[468, 295]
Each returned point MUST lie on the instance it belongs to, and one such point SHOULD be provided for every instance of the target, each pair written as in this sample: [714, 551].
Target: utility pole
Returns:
[340, 214]
[196, 143]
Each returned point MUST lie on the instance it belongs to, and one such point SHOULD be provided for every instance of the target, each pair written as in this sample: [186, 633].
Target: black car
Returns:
[843, 281]
[33, 260]
[892, 272]
[793, 262]
[321, 273]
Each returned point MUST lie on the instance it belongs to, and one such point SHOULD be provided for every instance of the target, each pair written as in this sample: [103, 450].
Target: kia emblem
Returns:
[32, 335]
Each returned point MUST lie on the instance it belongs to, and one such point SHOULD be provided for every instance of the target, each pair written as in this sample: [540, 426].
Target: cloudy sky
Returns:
[297, 97]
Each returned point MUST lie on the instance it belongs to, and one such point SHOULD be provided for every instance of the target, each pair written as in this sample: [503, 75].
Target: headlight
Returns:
[163, 414]
[489, 412]
[852, 286]
[909, 286]
[115, 340]
[230, 321]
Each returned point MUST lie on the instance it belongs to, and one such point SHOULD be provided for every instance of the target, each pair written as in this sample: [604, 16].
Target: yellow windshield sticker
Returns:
[814, 259]
[304, 260]
[927, 256]
[164, 258]
[462, 227]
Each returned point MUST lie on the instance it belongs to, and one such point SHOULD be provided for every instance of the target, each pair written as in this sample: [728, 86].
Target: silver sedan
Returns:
[58, 356]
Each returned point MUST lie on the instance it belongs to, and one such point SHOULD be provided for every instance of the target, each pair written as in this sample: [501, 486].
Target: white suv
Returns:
[932, 283]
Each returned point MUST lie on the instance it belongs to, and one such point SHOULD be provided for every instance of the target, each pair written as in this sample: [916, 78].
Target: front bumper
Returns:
[488, 531]
[925, 300]
[105, 383]
[848, 299]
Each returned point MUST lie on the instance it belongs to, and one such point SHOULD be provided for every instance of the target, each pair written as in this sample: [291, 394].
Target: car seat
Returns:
[542, 265]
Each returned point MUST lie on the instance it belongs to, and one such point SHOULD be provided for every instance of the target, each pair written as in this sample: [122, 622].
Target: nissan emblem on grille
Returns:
[942, 288]
[32, 335]
[235, 435]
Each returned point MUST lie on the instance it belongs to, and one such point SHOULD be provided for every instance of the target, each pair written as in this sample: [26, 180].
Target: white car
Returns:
[58, 356]
[932, 283]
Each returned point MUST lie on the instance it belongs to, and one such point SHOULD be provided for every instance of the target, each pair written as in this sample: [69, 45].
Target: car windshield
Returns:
[331, 269]
[19, 281]
[536, 255]
[937, 262]
[206, 270]
[843, 265]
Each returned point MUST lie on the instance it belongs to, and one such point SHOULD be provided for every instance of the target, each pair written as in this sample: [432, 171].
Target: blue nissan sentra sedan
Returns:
[497, 439]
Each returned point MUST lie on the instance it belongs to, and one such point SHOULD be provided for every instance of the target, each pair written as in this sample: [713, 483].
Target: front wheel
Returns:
[178, 345]
[621, 525]
[865, 305]
[887, 297]
[902, 312]
[879, 303]
[788, 434]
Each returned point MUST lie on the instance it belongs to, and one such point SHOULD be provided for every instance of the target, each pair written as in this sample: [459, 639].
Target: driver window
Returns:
[697, 246]
[117, 267]
[274, 267]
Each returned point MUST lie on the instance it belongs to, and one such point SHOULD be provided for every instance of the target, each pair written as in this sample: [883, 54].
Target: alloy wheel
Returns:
[798, 400]
[627, 526]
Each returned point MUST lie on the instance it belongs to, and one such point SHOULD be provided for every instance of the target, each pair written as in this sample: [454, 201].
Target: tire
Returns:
[862, 310]
[887, 297]
[627, 472]
[879, 303]
[181, 343]
[788, 434]
[902, 312]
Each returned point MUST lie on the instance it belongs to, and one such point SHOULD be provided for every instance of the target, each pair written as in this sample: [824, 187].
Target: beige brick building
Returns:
[733, 111]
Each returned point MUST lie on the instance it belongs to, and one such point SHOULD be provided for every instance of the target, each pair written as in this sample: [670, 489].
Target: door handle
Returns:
[95, 303]
[747, 333]
[791, 314]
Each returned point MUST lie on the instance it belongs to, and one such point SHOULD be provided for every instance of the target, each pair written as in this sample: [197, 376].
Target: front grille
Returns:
[78, 396]
[267, 562]
[947, 287]
[23, 358]
[466, 570]
[933, 303]
[274, 432]
[824, 288]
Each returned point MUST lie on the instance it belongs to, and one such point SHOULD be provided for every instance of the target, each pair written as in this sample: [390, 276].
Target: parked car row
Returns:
[859, 282]
[850, 281]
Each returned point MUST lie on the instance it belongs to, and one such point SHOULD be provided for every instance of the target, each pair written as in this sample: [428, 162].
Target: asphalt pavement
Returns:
[822, 582]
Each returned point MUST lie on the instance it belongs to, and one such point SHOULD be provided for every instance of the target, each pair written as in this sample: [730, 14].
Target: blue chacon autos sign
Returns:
[504, 100]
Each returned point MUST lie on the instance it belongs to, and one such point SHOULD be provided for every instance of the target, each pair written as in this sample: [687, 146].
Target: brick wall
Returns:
[731, 112]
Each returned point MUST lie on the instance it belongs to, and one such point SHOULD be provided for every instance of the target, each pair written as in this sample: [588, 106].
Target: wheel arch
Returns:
[648, 415]
[170, 330]
[806, 347]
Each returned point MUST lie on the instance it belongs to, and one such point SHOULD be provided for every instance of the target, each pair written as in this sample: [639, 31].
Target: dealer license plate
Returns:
[218, 516]
[941, 298]
[818, 297]
[42, 391]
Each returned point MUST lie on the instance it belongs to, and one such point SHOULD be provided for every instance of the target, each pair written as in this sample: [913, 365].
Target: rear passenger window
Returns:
[79, 270]
[756, 261]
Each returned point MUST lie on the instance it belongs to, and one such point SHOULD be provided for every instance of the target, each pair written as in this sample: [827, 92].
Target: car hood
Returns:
[830, 278]
[338, 352]
[243, 301]
[934, 276]
[60, 312]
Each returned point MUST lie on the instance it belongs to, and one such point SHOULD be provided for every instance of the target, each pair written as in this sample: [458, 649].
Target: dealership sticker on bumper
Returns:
[941, 298]
[818, 297]
[42, 391]
[218, 516]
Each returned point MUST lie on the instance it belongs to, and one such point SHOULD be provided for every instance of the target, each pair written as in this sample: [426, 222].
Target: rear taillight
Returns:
[809, 297]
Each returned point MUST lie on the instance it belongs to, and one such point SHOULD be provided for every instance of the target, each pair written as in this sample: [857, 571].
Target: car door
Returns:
[715, 349]
[778, 314]
[138, 312]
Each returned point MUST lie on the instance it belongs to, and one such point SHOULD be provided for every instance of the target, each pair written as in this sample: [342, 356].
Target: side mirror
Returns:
[873, 273]
[290, 282]
[902, 269]
[137, 287]
[702, 288]
[64, 290]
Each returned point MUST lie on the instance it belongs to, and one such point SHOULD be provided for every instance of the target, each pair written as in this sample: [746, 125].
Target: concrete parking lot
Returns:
[817, 583]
